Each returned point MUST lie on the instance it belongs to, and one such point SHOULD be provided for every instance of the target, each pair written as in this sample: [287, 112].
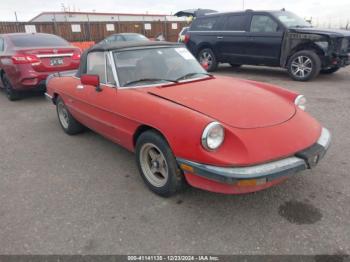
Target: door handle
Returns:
[220, 37]
[80, 87]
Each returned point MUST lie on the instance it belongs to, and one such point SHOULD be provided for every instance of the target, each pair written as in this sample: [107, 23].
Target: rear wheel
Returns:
[67, 121]
[206, 57]
[304, 65]
[11, 94]
[329, 71]
[157, 164]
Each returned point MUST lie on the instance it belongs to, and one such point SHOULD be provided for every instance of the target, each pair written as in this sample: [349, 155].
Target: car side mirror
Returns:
[91, 80]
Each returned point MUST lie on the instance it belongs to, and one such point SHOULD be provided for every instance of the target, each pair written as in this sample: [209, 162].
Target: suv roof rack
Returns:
[249, 10]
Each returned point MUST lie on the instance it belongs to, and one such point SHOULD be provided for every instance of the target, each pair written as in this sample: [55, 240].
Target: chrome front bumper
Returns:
[305, 159]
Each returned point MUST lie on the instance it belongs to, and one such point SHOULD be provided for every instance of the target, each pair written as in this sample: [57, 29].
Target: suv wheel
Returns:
[157, 164]
[206, 57]
[304, 65]
[11, 94]
[329, 71]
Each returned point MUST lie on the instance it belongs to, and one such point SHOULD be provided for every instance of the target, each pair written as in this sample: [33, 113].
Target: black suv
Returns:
[270, 38]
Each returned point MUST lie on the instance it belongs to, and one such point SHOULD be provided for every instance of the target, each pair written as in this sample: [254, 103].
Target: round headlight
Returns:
[300, 101]
[213, 136]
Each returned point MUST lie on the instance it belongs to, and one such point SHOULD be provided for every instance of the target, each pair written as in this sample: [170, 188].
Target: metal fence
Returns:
[95, 31]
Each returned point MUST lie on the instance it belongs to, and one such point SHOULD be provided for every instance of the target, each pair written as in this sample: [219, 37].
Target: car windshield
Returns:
[156, 66]
[291, 20]
[135, 37]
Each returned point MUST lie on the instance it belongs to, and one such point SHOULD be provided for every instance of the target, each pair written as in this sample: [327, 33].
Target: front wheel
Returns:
[207, 57]
[304, 65]
[67, 121]
[157, 164]
[329, 71]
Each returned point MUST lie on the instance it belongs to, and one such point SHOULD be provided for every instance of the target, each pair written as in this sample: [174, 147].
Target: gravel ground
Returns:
[83, 194]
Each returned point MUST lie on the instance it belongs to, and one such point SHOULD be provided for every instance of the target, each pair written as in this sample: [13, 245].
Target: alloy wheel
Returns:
[302, 66]
[154, 165]
[206, 58]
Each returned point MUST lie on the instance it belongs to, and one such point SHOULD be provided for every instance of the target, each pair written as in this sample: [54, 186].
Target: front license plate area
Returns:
[56, 61]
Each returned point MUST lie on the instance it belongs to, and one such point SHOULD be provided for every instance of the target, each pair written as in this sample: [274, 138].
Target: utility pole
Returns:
[243, 4]
[17, 28]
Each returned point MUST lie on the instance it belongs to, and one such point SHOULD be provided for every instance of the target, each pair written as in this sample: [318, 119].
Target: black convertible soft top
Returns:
[102, 47]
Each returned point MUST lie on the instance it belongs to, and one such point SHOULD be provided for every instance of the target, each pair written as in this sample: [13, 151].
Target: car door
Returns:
[98, 109]
[232, 37]
[265, 40]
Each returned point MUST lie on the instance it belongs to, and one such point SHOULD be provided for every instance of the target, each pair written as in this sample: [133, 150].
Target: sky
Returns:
[322, 12]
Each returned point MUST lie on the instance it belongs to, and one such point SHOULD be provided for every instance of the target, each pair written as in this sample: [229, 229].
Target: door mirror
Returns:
[91, 80]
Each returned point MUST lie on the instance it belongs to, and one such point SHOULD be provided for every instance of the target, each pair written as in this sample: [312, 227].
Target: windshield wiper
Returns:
[148, 80]
[192, 74]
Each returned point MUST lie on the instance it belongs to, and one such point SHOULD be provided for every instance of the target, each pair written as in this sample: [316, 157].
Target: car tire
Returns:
[235, 65]
[157, 164]
[11, 94]
[207, 56]
[304, 65]
[329, 71]
[67, 121]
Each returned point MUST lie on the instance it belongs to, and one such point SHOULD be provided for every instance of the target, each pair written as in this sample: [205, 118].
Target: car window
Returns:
[135, 37]
[1, 44]
[114, 38]
[38, 40]
[159, 64]
[96, 65]
[236, 23]
[263, 24]
[204, 24]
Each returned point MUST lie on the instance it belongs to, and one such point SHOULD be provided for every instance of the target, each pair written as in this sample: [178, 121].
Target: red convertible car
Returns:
[186, 126]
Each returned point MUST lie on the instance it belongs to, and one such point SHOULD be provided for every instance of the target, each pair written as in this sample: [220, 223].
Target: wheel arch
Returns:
[144, 128]
[305, 47]
[203, 46]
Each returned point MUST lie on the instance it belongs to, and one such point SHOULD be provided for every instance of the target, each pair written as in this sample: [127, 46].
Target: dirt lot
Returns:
[83, 194]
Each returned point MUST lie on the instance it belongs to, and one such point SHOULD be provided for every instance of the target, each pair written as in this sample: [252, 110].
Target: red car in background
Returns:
[27, 59]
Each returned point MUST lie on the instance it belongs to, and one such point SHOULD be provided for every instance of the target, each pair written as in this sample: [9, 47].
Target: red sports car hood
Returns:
[230, 101]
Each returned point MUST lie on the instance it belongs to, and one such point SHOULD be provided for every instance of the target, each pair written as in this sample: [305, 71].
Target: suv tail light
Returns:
[25, 59]
[187, 38]
[76, 55]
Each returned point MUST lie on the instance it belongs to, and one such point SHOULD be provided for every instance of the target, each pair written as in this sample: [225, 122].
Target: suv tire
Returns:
[207, 55]
[304, 65]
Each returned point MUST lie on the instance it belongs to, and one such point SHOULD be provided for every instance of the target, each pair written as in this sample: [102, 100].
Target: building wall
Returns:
[74, 17]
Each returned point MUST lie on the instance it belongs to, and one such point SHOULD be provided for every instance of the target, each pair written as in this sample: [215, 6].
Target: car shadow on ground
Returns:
[254, 72]
[271, 74]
